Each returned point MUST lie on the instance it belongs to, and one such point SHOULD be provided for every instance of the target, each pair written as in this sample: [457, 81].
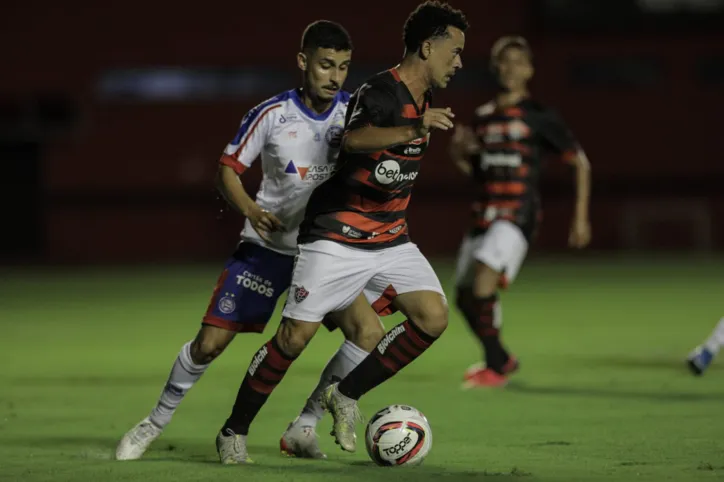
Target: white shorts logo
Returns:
[388, 172]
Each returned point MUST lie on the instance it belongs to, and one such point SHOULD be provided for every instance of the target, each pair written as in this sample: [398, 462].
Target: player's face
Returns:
[514, 69]
[325, 71]
[444, 57]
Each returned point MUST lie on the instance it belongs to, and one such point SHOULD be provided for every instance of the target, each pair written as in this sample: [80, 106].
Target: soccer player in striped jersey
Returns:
[355, 234]
[503, 152]
[297, 136]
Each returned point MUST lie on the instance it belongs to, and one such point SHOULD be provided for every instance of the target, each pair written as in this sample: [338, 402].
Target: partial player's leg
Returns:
[243, 301]
[420, 297]
[362, 332]
[487, 262]
[327, 277]
[702, 356]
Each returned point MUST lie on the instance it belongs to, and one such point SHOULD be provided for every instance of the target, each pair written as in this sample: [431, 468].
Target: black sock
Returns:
[268, 367]
[402, 344]
[480, 315]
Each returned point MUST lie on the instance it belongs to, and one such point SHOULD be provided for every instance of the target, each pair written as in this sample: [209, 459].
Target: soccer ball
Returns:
[398, 435]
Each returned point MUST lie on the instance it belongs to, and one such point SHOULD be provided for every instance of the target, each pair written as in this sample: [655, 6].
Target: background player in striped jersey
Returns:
[702, 356]
[354, 233]
[503, 152]
[298, 135]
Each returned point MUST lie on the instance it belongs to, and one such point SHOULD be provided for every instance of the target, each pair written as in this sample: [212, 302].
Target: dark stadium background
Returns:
[112, 118]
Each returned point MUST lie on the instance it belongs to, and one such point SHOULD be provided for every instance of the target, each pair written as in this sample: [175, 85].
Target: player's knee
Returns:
[293, 336]
[432, 318]
[209, 344]
[368, 335]
[206, 350]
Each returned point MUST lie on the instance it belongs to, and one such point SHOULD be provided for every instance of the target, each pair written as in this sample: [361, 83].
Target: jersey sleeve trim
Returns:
[233, 163]
[257, 118]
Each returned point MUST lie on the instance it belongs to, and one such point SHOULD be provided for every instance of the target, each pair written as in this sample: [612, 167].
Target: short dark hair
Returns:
[431, 19]
[508, 42]
[324, 34]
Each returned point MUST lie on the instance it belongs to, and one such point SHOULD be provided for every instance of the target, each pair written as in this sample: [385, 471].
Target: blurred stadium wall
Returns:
[112, 118]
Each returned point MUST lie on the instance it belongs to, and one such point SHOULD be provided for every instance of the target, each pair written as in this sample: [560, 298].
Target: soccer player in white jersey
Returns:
[702, 356]
[297, 134]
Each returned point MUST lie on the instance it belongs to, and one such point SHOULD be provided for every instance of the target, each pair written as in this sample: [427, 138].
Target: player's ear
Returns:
[302, 61]
[425, 49]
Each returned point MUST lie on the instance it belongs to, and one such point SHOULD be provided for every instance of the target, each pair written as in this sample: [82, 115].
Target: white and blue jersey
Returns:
[298, 150]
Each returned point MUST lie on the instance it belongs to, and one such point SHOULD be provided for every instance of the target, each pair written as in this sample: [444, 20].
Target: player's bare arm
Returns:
[374, 139]
[580, 234]
[463, 145]
[230, 186]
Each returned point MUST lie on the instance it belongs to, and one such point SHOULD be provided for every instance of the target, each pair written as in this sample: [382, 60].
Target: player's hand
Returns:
[464, 142]
[436, 119]
[580, 234]
[264, 222]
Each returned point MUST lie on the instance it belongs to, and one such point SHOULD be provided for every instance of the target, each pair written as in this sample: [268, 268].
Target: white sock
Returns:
[183, 376]
[716, 339]
[347, 357]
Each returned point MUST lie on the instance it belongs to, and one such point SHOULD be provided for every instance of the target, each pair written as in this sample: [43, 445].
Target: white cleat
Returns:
[300, 441]
[346, 415]
[232, 448]
[135, 443]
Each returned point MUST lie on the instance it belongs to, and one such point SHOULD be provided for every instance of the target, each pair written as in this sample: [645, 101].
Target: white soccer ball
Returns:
[398, 435]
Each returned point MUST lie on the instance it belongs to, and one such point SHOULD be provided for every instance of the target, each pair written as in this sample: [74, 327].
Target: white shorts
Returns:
[329, 276]
[503, 248]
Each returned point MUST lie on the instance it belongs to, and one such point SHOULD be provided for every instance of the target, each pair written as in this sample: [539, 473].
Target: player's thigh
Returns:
[500, 250]
[247, 291]
[359, 323]
[414, 287]
[327, 277]
[465, 264]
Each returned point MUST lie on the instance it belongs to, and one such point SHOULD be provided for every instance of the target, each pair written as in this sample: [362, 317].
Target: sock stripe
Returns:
[268, 375]
[407, 349]
[400, 358]
[388, 363]
[413, 334]
[398, 349]
[260, 387]
[276, 359]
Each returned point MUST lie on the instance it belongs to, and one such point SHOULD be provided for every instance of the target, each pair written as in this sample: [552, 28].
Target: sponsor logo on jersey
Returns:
[412, 151]
[497, 132]
[350, 232]
[396, 229]
[488, 159]
[388, 172]
[309, 173]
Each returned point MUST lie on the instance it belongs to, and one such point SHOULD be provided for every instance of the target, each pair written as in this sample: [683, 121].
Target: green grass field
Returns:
[602, 394]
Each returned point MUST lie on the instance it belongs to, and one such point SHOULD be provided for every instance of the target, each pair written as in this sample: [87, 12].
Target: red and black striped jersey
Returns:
[364, 203]
[514, 142]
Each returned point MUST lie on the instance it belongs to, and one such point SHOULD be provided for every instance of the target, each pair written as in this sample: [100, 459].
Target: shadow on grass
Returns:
[666, 395]
[185, 452]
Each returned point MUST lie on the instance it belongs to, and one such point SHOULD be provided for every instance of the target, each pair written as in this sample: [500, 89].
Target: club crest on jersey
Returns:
[227, 305]
[334, 136]
[300, 294]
